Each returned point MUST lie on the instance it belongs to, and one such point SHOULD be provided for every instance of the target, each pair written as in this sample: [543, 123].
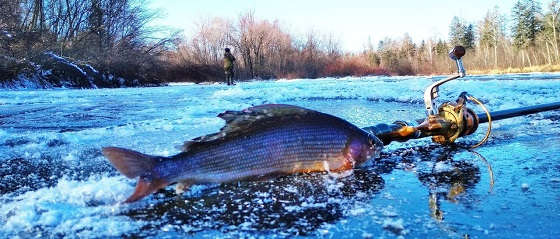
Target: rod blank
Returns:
[505, 114]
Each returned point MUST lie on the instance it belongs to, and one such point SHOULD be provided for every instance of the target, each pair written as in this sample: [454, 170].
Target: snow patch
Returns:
[60, 59]
[525, 187]
[395, 226]
[87, 208]
[6, 34]
[180, 83]
[92, 69]
[443, 166]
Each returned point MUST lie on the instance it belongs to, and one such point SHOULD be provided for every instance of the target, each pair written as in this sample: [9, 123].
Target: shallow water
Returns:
[55, 182]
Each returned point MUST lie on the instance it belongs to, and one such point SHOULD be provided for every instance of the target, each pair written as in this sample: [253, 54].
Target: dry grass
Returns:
[540, 68]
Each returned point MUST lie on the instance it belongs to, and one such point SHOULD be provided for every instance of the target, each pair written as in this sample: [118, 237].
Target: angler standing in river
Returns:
[228, 66]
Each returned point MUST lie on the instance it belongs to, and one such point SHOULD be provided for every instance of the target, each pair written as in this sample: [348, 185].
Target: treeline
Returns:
[113, 36]
[528, 39]
[263, 50]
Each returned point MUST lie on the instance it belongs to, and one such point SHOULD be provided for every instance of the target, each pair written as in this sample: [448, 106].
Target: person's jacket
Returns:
[228, 61]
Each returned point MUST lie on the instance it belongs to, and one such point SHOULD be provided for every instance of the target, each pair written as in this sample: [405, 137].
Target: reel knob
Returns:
[457, 52]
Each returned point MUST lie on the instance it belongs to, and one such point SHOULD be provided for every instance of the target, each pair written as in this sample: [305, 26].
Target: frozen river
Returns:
[54, 181]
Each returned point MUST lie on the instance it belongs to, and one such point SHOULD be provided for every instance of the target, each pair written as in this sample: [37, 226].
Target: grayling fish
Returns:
[259, 141]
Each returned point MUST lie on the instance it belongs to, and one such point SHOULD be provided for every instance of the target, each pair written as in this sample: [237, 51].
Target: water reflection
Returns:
[447, 180]
[446, 177]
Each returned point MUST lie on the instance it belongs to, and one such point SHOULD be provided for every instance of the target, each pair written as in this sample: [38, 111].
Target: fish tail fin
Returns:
[133, 164]
[145, 187]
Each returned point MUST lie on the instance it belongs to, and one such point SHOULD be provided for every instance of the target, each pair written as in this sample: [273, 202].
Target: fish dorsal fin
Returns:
[186, 145]
[263, 113]
[253, 118]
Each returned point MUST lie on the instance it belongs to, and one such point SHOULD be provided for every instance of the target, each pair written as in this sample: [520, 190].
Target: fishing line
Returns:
[490, 171]
[488, 131]
[472, 98]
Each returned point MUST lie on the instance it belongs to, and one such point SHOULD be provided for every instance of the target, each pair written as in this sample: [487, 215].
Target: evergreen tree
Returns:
[440, 48]
[408, 48]
[468, 38]
[456, 31]
[526, 24]
[461, 34]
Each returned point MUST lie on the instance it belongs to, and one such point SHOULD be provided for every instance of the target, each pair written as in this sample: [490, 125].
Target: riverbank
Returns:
[49, 70]
[52, 71]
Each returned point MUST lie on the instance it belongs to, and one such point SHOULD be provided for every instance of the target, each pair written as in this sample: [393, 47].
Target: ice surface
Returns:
[55, 182]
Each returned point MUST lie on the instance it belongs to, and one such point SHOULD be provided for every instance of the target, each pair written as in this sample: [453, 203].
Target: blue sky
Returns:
[353, 22]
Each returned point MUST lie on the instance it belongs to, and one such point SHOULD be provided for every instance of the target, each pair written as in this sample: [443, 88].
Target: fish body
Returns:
[259, 141]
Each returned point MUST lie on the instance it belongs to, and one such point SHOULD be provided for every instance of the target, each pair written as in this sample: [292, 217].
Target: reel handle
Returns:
[431, 92]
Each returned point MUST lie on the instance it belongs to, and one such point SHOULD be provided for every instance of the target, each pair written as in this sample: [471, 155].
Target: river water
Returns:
[54, 181]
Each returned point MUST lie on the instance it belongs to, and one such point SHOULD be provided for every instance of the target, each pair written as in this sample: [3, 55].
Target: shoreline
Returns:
[509, 71]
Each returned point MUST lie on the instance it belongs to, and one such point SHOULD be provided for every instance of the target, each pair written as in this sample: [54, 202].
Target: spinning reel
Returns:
[452, 119]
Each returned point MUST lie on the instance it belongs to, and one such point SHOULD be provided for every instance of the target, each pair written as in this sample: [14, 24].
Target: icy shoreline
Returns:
[50, 71]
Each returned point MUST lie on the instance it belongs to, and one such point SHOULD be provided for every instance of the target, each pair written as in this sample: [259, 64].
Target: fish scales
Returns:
[273, 150]
[233, 157]
[258, 141]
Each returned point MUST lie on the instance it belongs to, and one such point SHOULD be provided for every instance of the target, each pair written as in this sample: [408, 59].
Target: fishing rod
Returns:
[450, 120]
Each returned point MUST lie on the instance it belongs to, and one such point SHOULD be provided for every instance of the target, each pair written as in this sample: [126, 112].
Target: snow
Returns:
[524, 186]
[78, 206]
[180, 83]
[77, 193]
[92, 69]
[395, 226]
[7, 34]
[66, 62]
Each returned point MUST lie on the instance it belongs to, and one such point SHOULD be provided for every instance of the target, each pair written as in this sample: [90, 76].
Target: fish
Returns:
[261, 141]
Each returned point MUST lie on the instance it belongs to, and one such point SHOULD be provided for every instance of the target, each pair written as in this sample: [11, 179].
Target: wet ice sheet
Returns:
[55, 181]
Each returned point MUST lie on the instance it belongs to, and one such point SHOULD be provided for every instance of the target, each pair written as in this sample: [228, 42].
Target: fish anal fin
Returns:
[145, 187]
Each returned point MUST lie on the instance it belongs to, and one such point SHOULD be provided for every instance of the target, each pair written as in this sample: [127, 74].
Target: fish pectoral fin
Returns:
[182, 186]
[339, 166]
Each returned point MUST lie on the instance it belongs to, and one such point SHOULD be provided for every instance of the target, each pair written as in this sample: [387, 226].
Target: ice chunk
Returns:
[395, 226]
[525, 187]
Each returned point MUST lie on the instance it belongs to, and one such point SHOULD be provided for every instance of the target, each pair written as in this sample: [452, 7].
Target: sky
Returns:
[352, 22]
